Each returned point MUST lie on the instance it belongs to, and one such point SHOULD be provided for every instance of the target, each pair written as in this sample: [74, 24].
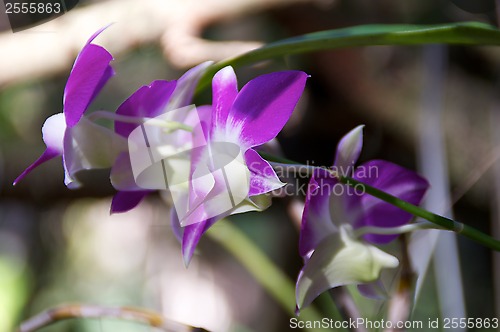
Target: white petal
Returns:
[53, 132]
[348, 151]
[89, 146]
[340, 260]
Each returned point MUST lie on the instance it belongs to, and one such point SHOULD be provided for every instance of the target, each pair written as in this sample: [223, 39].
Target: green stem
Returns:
[276, 283]
[271, 158]
[444, 222]
[359, 232]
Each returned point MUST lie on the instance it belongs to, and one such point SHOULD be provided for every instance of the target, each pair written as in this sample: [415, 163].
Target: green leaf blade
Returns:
[464, 33]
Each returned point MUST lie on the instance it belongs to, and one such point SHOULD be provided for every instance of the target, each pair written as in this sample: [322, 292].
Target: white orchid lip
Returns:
[53, 132]
[340, 260]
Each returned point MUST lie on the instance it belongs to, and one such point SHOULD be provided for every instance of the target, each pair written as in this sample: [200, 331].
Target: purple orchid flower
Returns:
[151, 101]
[66, 134]
[228, 176]
[333, 254]
[148, 101]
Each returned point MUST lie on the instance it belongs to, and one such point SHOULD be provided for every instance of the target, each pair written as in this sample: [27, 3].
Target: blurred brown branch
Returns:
[176, 24]
[70, 311]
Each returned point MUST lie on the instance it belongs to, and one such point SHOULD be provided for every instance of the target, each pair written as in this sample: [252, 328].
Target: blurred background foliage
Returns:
[59, 246]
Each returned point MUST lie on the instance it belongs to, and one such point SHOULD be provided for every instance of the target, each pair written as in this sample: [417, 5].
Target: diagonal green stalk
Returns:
[446, 223]
[270, 277]
[464, 33]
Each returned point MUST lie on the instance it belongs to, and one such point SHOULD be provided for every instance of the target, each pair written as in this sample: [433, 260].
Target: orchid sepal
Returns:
[340, 260]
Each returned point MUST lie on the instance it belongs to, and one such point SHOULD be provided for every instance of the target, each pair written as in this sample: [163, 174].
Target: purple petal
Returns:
[124, 201]
[263, 178]
[317, 221]
[224, 91]
[97, 33]
[122, 176]
[186, 86]
[191, 237]
[108, 73]
[177, 229]
[264, 105]
[193, 232]
[89, 74]
[348, 151]
[47, 155]
[53, 131]
[374, 290]
[393, 179]
[149, 101]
